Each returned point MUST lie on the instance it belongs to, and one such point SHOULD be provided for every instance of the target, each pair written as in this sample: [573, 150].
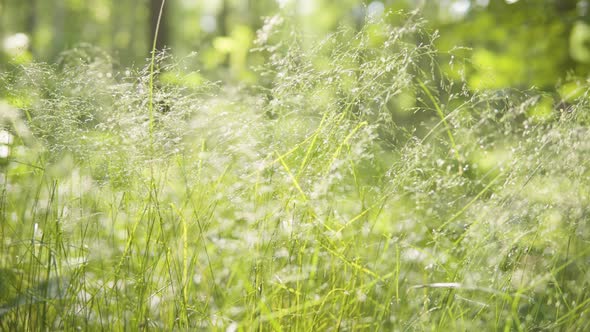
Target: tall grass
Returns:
[355, 188]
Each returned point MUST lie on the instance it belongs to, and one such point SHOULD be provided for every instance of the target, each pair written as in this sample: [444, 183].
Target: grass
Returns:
[354, 188]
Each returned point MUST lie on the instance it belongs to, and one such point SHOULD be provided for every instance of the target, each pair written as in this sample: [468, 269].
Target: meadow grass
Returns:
[355, 188]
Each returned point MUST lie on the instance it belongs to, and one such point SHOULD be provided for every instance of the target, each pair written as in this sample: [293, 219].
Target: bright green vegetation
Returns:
[355, 188]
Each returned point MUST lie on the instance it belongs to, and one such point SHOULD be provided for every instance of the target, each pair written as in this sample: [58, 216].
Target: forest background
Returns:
[512, 43]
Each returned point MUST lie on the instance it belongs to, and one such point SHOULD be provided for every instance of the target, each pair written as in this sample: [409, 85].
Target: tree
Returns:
[31, 24]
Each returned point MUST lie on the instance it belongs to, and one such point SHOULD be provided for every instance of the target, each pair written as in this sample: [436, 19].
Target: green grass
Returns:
[354, 188]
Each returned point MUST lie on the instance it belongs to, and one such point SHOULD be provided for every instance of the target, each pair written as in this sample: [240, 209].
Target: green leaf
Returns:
[580, 42]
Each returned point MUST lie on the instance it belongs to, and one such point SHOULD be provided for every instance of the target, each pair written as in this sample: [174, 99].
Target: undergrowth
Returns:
[355, 188]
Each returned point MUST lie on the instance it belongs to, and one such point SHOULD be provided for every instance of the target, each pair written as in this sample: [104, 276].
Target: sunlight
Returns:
[16, 44]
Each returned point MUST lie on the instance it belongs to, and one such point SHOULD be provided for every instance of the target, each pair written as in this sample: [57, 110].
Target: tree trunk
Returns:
[31, 24]
[222, 18]
[59, 16]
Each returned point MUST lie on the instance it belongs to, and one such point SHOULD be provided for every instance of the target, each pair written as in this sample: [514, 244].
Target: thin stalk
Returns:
[152, 74]
[443, 119]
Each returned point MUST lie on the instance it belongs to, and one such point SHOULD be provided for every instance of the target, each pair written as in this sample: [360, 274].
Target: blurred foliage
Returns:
[491, 44]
